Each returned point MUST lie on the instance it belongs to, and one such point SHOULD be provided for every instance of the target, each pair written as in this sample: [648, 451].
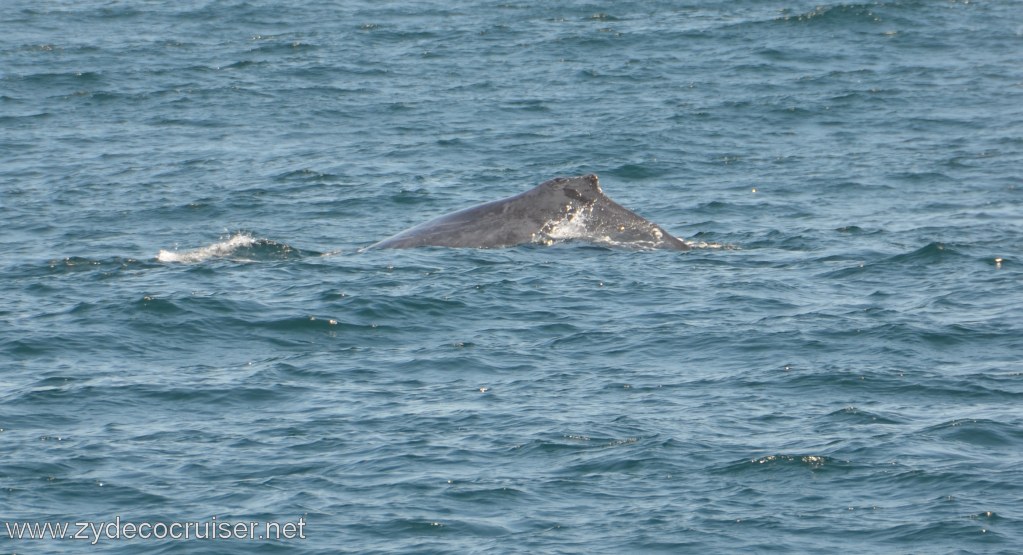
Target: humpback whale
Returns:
[563, 208]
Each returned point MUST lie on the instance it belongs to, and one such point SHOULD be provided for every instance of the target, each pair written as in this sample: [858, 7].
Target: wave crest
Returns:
[239, 247]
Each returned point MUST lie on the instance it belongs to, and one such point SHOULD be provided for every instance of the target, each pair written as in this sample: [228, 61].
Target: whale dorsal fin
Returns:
[584, 188]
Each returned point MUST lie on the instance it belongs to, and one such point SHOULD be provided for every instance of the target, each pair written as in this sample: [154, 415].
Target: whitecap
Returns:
[221, 249]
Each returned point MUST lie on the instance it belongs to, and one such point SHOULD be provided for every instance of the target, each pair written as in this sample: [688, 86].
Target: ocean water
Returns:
[189, 333]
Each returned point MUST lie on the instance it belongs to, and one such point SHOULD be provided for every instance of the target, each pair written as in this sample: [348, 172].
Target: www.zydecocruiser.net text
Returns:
[117, 529]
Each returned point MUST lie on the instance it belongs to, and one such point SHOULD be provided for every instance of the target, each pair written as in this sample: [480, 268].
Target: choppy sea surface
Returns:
[189, 333]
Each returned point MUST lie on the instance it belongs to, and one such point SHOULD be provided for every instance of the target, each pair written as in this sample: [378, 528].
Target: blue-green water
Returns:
[188, 331]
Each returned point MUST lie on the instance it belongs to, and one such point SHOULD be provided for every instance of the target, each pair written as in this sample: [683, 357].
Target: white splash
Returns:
[706, 245]
[222, 249]
[571, 226]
